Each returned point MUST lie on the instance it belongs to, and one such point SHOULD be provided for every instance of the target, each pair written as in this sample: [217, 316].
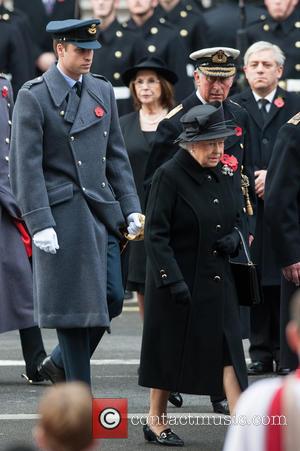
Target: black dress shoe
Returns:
[221, 407]
[258, 368]
[175, 398]
[283, 371]
[165, 438]
[50, 371]
[128, 295]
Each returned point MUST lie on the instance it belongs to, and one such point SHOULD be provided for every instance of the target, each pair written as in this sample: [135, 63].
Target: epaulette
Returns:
[28, 84]
[234, 103]
[174, 111]
[99, 76]
[295, 119]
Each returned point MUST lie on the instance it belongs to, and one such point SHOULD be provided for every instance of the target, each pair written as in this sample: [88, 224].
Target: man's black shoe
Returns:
[128, 295]
[283, 371]
[48, 370]
[258, 368]
[221, 407]
[175, 398]
[35, 379]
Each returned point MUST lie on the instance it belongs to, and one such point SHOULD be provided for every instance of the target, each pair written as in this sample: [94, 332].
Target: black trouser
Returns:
[264, 331]
[32, 349]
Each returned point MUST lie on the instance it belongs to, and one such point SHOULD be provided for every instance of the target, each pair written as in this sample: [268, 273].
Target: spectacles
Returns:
[140, 82]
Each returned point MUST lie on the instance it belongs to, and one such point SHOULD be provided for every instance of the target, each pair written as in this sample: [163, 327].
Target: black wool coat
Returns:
[238, 145]
[282, 207]
[189, 208]
[263, 137]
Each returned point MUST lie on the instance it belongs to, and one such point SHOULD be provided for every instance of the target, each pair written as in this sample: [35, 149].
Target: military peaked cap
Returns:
[82, 33]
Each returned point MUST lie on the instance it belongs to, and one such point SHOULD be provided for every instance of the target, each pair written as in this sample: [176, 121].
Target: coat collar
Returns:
[57, 85]
[193, 168]
[91, 98]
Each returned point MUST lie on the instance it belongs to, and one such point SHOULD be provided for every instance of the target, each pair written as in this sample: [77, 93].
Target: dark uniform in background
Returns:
[224, 20]
[38, 16]
[120, 49]
[16, 58]
[282, 207]
[286, 35]
[16, 299]
[161, 39]
[265, 317]
[191, 28]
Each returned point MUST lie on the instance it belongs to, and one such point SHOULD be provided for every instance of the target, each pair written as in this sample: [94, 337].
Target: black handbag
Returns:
[246, 279]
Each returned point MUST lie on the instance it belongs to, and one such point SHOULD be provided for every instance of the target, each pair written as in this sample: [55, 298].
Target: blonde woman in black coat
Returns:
[191, 307]
[151, 86]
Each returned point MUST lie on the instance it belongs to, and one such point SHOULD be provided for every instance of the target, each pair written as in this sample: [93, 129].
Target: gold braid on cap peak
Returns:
[217, 71]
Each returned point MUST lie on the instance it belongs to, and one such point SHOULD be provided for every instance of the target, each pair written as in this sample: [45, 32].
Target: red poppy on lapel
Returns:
[279, 102]
[99, 111]
[238, 131]
[4, 91]
[60, 1]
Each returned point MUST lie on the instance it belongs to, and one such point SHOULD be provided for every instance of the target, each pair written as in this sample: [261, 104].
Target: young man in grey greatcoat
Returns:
[73, 182]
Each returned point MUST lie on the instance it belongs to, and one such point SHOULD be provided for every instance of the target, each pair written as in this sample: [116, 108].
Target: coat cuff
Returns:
[130, 204]
[39, 219]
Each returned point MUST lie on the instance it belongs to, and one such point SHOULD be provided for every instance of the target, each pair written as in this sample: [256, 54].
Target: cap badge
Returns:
[219, 57]
[99, 112]
[92, 29]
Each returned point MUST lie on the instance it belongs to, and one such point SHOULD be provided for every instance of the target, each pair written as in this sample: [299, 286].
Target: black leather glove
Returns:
[180, 293]
[228, 245]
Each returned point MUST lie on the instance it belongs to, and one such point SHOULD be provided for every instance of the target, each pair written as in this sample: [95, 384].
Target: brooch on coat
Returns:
[230, 164]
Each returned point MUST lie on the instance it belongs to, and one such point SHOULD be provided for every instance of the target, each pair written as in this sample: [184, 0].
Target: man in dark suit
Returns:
[269, 107]
[160, 39]
[282, 206]
[281, 26]
[214, 75]
[72, 179]
[39, 13]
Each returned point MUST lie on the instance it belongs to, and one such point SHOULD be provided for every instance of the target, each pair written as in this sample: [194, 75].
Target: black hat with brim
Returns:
[81, 33]
[149, 63]
[205, 123]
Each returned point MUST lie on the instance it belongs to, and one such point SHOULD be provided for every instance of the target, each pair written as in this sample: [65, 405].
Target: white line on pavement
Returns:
[93, 362]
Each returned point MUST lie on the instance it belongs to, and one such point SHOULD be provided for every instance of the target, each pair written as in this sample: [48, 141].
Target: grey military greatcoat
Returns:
[16, 303]
[70, 171]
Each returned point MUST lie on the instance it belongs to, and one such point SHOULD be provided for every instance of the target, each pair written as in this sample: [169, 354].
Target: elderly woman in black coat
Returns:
[191, 339]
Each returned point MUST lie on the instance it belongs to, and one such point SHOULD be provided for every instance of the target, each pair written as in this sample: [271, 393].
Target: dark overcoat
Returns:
[238, 145]
[16, 299]
[189, 209]
[70, 170]
[282, 207]
[263, 137]
[138, 150]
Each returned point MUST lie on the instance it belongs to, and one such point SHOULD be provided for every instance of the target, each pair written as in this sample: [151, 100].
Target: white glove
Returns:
[134, 224]
[46, 240]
